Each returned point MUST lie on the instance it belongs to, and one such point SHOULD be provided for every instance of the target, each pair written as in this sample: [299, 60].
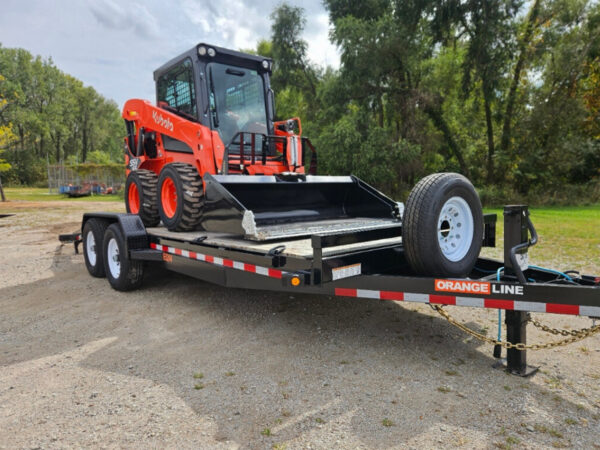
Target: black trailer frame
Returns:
[371, 264]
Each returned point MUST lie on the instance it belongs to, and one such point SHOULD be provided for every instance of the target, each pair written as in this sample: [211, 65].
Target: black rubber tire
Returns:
[190, 197]
[146, 182]
[420, 225]
[131, 271]
[97, 227]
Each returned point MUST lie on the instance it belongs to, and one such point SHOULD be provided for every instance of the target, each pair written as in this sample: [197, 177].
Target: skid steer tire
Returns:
[140, 196]
[92, 237]
[180, 197]
[442, 228]
[123, 274]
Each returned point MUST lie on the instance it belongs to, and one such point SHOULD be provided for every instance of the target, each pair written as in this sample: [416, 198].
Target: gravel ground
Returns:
[183, 363]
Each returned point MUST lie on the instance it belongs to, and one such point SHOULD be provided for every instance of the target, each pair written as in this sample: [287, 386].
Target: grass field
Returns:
[568, 237]
[42, 195]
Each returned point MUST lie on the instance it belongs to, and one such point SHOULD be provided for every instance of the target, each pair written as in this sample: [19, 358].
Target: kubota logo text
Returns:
[160, 120]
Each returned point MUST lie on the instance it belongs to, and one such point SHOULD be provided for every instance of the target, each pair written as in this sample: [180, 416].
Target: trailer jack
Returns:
[516, 332]
[516, 243]
[517, 224]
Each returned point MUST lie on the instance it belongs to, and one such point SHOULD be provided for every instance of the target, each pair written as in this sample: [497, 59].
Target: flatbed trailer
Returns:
[367, 263]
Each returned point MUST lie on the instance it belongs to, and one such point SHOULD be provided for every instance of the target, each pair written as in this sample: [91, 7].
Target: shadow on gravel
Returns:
[303, 366]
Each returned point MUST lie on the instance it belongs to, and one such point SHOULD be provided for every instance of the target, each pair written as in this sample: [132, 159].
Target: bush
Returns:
[565, 195]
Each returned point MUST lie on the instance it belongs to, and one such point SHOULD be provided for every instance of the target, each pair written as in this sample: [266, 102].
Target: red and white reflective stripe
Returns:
[266, 271]
[515, 305]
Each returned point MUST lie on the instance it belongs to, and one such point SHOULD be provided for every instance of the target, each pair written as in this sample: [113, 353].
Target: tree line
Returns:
[49, 117]
[506, 92]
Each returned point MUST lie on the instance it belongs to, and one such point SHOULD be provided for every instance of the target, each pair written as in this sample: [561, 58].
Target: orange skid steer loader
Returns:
[210, 156]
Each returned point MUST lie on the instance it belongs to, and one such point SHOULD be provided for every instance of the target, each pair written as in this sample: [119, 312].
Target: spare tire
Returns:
[442, 227]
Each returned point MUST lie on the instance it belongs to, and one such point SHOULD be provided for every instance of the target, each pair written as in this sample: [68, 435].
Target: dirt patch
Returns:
[183, 363]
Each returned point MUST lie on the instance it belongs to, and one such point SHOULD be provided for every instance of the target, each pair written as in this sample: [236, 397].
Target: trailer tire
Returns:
[140, 196]
[123, 274]
[92, 237]
[442, 228]
[180, 197]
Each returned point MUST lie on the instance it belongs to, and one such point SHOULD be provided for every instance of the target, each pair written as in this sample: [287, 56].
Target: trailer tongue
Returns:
[287, 206]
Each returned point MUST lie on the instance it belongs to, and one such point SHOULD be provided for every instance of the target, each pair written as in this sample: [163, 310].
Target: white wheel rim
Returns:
[114, 260]
[90, 248]
[455, 229]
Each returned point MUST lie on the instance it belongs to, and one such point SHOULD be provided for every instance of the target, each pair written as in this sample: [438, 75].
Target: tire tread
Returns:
[420, 213]
[147, 182]
[192, 195]
[98, 228]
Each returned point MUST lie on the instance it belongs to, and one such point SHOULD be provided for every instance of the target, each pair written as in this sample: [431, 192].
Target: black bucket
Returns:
[283, 206]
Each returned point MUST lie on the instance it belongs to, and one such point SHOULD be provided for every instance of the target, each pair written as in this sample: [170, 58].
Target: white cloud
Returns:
[320, 49]
[124, 17]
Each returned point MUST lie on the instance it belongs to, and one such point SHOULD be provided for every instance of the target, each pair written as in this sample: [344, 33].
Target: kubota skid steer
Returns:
[211, 157]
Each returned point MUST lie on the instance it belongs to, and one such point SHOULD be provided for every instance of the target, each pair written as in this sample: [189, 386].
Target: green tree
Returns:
[289, 49]
[53, 117]
[5, 137]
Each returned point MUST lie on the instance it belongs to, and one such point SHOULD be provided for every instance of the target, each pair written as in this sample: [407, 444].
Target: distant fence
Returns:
[86, 179]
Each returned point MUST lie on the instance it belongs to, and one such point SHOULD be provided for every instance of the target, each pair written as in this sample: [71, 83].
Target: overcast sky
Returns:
[115, 45]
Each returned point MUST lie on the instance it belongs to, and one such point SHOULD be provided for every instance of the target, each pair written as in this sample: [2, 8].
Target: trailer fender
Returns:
[132, 228]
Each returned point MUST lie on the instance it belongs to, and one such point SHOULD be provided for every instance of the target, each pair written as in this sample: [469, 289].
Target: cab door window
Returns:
[176, 88]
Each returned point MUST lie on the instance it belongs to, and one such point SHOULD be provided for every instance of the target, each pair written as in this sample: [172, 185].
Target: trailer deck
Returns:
[292, 247]
[366, 264]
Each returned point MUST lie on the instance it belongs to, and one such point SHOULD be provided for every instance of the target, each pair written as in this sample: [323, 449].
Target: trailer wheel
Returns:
[140, 196]
[92, 237]
[123, 274]
[180, 196]
[442, 229]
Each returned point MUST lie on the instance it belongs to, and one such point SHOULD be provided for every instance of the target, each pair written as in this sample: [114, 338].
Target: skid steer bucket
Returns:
[291, 205]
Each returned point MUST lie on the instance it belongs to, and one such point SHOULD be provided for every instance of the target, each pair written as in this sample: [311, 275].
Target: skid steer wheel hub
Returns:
[168, 197]
[455, 228]
[133, 196]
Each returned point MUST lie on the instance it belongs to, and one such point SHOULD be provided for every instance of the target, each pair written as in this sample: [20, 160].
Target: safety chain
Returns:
[574, 335]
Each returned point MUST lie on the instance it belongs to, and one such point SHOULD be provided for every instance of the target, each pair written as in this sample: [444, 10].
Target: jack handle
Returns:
[513, 251]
